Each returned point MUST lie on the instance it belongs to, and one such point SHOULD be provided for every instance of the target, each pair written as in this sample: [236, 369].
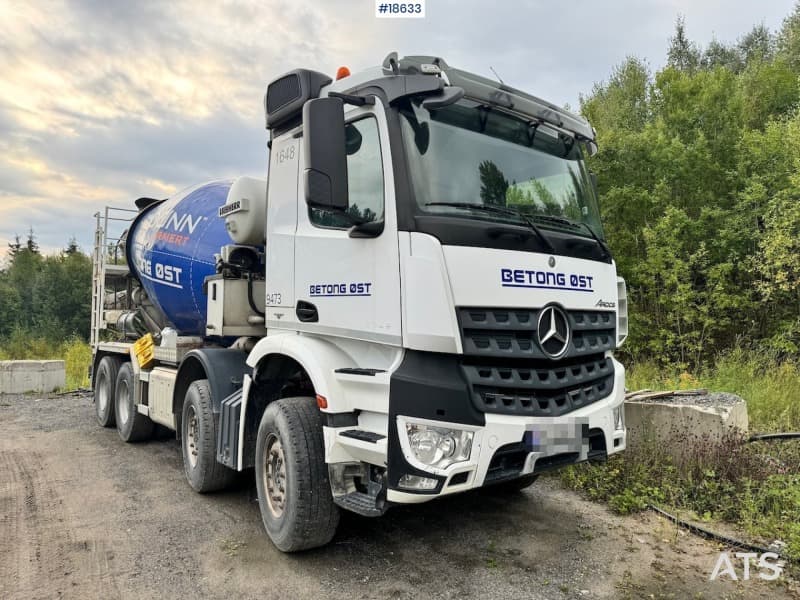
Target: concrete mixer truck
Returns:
[418, 301]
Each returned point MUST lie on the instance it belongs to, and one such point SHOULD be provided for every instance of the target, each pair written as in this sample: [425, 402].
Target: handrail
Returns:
[100, 258]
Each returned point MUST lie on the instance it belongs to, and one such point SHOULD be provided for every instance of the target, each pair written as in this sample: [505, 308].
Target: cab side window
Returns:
[364, 178]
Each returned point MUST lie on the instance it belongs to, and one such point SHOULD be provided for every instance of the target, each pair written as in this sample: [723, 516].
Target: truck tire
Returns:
[105, 383]
[132, 425]
[199, 442]
[294, 493]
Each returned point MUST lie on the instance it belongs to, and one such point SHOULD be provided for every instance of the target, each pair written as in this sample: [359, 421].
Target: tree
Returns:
[62, 296]
[700, 193]
[14, 248]
[718, 54]
[72, 247]
[622, 102]
[758, 44]
[789, 39]
[683, 54]
[31, 244]
[493, 184]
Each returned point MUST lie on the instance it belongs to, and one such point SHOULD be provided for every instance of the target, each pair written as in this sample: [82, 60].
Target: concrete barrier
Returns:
[21, 376]
[678, 417]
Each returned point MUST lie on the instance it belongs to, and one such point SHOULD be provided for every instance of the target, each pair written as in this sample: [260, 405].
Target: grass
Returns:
[76, 354]
[770, 385]
[753, 485]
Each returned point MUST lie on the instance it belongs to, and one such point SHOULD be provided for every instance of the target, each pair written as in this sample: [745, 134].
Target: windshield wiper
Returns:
[499, 210]
[570, 222]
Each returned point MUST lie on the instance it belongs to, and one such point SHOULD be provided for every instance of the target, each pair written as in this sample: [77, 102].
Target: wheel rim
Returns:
[102, 393]
[191, 436]
[123, 410]
[275, 475]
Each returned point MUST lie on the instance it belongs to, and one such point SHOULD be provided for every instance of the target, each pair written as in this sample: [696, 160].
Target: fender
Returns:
[223, 367]
[317, 356]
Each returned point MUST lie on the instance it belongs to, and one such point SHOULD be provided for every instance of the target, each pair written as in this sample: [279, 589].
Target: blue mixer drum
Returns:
[170, 248]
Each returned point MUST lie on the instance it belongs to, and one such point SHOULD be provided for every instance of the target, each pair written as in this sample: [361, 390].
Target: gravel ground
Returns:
[83, 515]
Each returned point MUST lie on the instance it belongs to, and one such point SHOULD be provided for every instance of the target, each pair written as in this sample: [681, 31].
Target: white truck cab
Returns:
[431, 307]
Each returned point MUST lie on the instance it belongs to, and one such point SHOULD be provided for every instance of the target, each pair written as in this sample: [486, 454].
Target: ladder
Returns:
[108, 263]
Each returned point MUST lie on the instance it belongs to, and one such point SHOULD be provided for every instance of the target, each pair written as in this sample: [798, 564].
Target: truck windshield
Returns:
[470, 154]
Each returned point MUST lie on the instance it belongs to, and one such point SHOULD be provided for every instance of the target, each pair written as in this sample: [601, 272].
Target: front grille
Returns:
[539, 388]
[511, 332]
[508, 373]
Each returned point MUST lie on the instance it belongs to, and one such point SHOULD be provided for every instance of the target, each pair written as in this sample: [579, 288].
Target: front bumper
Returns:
[501, 448]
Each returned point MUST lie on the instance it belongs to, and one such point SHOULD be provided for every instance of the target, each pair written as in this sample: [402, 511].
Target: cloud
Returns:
[102, 102]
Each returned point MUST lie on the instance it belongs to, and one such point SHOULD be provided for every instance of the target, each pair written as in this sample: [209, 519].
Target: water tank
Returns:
[170, 248]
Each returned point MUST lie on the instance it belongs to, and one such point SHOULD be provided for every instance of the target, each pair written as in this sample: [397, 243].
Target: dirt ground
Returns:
[83, 515]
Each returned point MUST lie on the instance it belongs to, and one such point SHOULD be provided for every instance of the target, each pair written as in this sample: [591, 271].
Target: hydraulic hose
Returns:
[708, 534]
[250, 297]
[774, 436]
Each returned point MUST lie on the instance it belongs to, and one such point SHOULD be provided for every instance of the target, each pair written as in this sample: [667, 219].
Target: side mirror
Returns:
[325, 153]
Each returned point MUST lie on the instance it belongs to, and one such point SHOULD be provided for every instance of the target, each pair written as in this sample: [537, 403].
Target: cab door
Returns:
[350, 286]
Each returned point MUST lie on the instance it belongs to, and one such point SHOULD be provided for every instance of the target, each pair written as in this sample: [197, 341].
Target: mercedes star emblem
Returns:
[553, 332]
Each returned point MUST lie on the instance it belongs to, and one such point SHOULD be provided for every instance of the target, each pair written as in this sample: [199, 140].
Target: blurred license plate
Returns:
[557, 438]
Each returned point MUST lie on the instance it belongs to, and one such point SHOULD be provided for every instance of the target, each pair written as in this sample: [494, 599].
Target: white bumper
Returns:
[501, 430]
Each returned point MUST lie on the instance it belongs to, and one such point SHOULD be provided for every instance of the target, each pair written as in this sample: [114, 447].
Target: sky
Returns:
[105, 101]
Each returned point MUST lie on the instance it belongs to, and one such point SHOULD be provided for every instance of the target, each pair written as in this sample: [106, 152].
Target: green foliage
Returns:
[77, 356]
[755, 485]
[789, 39]
[45, 306]
[49, 296]
[75, 352]
[699, 193]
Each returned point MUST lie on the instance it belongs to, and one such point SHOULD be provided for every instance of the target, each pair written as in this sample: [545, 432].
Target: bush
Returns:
[76, 354]
[755, 485]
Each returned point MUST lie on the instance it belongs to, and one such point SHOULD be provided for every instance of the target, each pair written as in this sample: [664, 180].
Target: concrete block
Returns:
[679, 419]
[21, 376]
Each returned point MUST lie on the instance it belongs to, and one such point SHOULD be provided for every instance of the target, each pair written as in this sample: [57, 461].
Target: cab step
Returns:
[364, 436]
[361, 503]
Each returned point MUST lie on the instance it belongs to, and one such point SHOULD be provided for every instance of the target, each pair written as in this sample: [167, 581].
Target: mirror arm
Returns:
[371, 229]
[351, 99]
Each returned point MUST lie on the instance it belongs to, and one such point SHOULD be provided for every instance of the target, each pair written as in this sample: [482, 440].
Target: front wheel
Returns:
[294, 493]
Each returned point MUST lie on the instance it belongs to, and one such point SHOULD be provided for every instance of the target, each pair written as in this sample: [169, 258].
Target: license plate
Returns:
[557, 438]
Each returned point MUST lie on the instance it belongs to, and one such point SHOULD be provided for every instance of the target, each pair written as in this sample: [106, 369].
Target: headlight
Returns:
[438, 447]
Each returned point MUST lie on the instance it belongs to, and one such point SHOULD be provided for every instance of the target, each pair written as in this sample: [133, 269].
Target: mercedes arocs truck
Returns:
[417, 301]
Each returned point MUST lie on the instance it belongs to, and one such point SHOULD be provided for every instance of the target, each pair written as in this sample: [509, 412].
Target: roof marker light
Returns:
[429, 69]
[342, 72]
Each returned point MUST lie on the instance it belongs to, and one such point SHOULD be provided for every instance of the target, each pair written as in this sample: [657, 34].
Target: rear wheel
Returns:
[199, 442]
[294, 493]
[105, 382]
[132, 425]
